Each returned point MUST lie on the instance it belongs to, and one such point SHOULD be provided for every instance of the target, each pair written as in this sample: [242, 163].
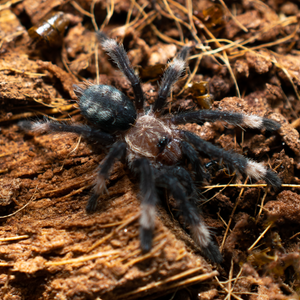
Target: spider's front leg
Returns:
[170, 77]
[190, 213]
[118, 54]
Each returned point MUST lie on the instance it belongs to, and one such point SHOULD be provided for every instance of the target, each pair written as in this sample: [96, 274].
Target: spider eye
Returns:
[162, 143]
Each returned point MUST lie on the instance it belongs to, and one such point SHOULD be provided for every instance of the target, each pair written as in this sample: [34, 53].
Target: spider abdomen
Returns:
[107, 108]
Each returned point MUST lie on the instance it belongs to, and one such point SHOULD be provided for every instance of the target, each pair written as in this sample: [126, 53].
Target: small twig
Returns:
[222, 220]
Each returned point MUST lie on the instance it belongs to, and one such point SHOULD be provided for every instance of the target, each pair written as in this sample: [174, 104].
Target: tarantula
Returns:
[154, 147]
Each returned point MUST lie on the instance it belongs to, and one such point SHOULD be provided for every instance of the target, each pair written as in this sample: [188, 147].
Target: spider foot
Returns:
[92, 203]
[202, 237]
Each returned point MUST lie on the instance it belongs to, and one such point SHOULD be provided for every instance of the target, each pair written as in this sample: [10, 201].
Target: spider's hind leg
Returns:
[189, 211]
[193, 159]
[149, 200]
[117, 151]
[185, 179]
[245, 166]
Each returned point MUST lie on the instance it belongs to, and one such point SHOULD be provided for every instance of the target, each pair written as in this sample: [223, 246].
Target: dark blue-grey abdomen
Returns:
[107, 108]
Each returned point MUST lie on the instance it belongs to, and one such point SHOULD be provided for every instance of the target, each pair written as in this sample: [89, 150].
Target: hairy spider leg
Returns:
[86, 131]
[251, 121]
[186, 181]
[193, 158]
[242, 164]
[119, 56]
[189, 211]
[171, 76]
[149, 200]
[116, 152]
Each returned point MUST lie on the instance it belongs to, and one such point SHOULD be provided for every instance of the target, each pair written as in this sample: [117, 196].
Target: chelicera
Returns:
[154, 147]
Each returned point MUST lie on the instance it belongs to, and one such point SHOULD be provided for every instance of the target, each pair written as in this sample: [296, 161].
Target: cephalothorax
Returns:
[154, 146]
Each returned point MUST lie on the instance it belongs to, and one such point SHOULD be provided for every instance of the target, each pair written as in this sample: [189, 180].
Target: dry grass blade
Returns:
[260, 237]
[81, 10]
[232, 214]
[82, 258]
[45, 113]
[136, 24]
[23, 207]
[110, 11]
[192, 75]
[233, 17]
[186, 282]
[219, 192]
[80, 184]
[150, 254]
[14, 238]
[176, 20]
[225, 59]
[230, 288]
[105, 238]
[262, 203]
[23, 73]
[226, 290]
[247, 185]
[190, 16]
[147, 19]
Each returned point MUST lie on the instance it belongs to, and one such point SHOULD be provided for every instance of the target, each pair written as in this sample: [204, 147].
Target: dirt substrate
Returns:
[246, 54]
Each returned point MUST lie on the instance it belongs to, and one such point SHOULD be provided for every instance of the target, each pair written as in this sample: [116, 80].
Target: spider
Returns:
[155, 149]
